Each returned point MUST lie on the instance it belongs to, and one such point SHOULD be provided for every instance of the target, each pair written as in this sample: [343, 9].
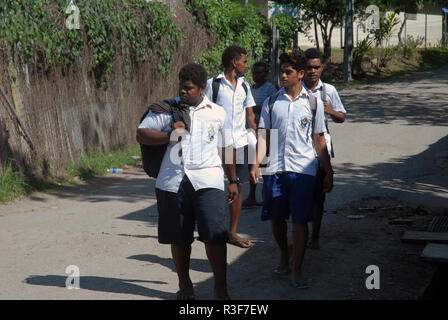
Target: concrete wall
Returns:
[413, 27]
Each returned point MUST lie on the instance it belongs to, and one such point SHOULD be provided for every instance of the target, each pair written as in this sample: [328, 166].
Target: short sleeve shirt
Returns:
[291, 139]
[234, 101]
[199, 157]
[335, 102]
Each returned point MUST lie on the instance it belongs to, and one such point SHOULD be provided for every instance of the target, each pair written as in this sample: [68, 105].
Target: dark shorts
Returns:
[319, 194]
[288, 194]
[242, 167]
[179, 212]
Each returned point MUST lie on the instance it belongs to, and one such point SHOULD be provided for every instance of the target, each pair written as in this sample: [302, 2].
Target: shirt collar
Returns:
[302, 94]
[318, 87]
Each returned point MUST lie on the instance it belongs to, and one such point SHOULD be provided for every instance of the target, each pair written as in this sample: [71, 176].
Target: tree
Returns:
[327, 13]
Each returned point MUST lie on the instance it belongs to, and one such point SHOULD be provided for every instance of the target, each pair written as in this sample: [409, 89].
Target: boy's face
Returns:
[240, 65]
[289, 76]
[259, 74]
[313, 71]
[190, 93]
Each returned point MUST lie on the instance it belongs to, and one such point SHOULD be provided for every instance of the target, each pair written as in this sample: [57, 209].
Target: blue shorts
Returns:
[179, 212]
[288, 194]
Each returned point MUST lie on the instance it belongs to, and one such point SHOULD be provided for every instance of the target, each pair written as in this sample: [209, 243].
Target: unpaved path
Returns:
[392, 151]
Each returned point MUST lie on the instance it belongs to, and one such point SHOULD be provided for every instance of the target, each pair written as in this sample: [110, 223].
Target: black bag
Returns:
[152, 156]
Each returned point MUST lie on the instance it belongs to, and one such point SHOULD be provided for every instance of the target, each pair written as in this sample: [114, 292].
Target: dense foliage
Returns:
[137, 30]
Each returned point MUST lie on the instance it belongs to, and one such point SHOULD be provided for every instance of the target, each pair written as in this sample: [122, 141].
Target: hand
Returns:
[177, 132]
[233, 192]
[254, 174]
[328, 182]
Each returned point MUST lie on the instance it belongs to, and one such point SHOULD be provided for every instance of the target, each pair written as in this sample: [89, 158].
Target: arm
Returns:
[151, 137]
[337, 116]
[262, 151]
[321, 149]
[230, 171]
[250, 116]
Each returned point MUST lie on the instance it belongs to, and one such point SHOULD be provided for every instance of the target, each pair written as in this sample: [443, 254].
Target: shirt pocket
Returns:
[210, 132]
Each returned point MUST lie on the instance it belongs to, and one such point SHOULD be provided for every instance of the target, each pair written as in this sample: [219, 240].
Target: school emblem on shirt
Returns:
[211, 134]
[304, 123]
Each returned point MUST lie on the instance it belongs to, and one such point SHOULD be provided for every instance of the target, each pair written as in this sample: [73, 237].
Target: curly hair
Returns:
[195, 73]
[230, 53]
[295, 58]
[313, 53]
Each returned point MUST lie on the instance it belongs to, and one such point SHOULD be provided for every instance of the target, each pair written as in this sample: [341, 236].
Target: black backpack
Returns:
[152, 156]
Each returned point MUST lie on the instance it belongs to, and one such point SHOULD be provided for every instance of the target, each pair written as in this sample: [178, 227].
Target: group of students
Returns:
[221, 122]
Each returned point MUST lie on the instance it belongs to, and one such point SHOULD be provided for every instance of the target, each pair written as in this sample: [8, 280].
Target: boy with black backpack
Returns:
[231, 91]
[190, 183]
[334, 108]
[295, 125]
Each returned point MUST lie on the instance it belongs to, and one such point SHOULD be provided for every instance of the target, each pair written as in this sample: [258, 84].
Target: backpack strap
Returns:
[313, 106]
[271, 102]
[324, 98]
[215, 88]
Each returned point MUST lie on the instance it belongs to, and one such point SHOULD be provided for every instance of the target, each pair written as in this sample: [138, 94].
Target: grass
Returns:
[96, 163]
[14, 186]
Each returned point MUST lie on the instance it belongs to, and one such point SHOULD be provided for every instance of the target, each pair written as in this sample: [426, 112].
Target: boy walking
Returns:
[190, 184]
[231, 91]
[334, 108]
[297, 119]
[261, 89]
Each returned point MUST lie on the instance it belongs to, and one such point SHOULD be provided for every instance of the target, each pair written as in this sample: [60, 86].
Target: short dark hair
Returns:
[261, 64]
[295, 58]
[230, 53]
[313, 53]
[195, 73]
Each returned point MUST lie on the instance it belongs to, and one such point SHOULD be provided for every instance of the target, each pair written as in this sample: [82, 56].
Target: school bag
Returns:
[152, 156]
[323, 96]
[215, 88]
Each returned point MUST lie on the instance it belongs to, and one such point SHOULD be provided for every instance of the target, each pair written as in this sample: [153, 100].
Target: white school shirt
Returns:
[291, 142]
[234, 101]
[200, 159]
[335, 102]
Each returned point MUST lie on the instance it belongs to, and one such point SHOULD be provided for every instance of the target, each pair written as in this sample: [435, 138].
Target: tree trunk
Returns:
[400, 42]
[316, 35]
[326, 39]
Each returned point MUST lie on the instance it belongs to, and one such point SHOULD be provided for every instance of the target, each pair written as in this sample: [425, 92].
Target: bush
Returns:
[364, 48]
[233, 24]
[288, 27]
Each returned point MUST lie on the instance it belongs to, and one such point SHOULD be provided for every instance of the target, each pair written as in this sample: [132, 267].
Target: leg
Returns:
[279, 231]
[300, 237]
[235, 211]
[217, 256]
[181, 257]
[318, 210]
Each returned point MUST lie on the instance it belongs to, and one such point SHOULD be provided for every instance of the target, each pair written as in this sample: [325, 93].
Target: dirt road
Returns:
[391, 153]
